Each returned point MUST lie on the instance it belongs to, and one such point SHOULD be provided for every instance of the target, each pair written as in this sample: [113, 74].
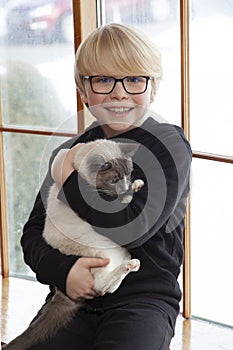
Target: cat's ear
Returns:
[129, 149]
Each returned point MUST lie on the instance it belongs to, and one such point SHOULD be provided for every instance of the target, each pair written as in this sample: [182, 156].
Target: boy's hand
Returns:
[80, 282]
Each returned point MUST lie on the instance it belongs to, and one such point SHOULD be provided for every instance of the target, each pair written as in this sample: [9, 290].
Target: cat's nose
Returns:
[122, 186]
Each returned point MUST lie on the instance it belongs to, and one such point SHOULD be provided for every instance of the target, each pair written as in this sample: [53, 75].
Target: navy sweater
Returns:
[151, 226]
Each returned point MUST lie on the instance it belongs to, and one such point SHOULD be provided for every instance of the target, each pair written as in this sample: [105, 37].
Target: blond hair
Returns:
[117, 50]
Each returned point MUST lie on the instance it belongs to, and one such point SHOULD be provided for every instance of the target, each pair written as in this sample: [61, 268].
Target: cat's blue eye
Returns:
[114, 181]
[105, 166]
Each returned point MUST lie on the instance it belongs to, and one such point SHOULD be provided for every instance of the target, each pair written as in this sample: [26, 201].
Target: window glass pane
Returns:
[212, 240]
[211, 76]
[36, 62]
[26, 158]
[160, 21]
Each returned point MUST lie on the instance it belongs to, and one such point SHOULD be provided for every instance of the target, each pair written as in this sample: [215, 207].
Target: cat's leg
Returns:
[135, 187]
[117, 275]
[108, 283]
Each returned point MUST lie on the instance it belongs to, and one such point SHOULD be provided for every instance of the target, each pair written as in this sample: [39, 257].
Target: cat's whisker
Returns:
[105, 191]
[94, 190]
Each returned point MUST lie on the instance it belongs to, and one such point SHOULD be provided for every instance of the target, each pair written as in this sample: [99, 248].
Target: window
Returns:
[38, 98]
[26, 162]
[211, 75]
[211, 233]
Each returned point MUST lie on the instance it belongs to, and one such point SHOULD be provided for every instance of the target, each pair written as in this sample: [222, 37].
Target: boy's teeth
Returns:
[119, 109]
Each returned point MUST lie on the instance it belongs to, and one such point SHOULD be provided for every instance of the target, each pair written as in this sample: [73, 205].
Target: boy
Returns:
[117, 72]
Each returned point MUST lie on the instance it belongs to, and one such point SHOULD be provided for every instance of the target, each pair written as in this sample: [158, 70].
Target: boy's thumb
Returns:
[98, 262]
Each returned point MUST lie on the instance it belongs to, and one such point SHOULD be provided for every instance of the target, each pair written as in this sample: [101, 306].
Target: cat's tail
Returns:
[56, 314]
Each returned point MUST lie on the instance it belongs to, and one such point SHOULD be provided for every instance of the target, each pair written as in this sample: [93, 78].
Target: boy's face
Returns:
[117, 111]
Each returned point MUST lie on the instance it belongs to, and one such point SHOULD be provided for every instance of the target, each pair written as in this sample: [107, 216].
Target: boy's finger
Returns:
[97, 262]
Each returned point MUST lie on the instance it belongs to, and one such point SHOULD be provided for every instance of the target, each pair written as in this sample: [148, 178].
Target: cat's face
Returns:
[106, 165]
[114, 176]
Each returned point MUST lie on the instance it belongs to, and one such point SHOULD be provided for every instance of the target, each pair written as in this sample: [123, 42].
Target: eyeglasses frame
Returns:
[116, 80]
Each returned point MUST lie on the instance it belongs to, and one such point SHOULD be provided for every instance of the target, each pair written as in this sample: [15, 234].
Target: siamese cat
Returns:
[106, 166]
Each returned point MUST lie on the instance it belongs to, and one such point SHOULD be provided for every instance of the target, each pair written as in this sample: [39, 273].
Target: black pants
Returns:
[135, 326]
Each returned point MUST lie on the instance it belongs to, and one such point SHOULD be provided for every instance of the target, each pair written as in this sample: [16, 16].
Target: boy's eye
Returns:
[134, 79]
[103, 80]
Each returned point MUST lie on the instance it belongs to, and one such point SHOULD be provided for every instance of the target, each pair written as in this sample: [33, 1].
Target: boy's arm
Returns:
[62, 165]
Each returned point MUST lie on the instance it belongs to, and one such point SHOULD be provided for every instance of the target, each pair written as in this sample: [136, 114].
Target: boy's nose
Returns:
[119, 91]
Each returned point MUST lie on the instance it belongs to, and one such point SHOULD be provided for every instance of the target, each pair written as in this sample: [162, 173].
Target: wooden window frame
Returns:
[185, 122]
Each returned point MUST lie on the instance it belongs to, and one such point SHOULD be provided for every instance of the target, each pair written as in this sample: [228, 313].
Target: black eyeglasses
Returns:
[104, 85]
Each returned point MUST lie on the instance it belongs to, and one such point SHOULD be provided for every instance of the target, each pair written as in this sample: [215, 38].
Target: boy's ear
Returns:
[82, 95]
[152, 96]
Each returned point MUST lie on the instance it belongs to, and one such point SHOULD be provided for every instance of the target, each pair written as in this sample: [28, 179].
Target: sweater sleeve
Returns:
[163, 163]
[50, 266]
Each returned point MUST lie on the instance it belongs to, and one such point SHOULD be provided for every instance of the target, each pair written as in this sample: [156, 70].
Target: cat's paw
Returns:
[127, 198]
[137, 185]
[133, 265]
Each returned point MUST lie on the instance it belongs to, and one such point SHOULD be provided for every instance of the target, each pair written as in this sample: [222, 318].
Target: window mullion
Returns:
[4, 238]
[185, 110]
[85, 21]
[213, 157]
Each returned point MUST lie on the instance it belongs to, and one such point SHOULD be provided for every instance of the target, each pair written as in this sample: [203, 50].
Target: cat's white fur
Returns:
[67, 232]
[75, 236]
